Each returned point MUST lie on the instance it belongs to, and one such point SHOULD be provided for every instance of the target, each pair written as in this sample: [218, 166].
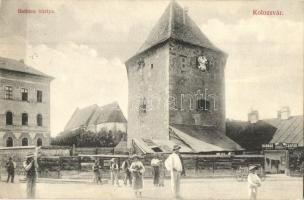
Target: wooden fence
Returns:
[196, 165]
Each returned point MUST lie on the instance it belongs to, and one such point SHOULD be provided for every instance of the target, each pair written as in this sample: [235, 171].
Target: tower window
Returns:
[203, 105]
[24, 142]
[24, 94]
[8, 92]
[9, 118]
[39, 142]
[24, 119]
[39, 120]
[143, 105]
[9, 142]
[39, 96]
[151, 66]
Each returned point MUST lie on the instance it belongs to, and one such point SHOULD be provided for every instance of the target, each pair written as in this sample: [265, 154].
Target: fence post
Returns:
[196, 165]
[59, 167]
[79, 163]
[213, 165]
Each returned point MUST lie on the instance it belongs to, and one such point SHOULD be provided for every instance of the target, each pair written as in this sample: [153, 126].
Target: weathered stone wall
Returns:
[18, 154]
[32, 131]
[188, 83]
[149, 79]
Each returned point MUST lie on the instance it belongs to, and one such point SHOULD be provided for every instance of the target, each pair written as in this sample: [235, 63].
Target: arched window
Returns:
[39, 142]
[24, 142]
[9, 142]
[39, 120]
[9, 118]
[24, 119]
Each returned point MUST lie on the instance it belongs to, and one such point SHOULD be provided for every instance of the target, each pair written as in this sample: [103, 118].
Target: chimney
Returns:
[185, 13]
[253, 116]
[284, 113]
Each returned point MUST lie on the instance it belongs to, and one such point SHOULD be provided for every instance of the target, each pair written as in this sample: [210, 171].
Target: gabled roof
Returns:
[204, 139]
[110, 113]
[81, 117]
[176, 24]
[19, 66]
[288, 130]
[252, 136]
[93, 115]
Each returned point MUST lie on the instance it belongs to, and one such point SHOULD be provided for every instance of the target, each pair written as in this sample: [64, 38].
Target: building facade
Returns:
[24, 105]
[176, 85]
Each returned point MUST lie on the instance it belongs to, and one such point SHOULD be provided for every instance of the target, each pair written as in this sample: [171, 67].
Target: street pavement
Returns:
[275, 187]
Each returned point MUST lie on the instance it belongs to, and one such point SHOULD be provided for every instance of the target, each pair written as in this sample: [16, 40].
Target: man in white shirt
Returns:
[174, 165]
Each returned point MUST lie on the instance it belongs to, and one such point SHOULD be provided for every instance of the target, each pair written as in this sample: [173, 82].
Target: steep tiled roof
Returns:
[204, 139]
[252, 136]
[94, 114]
[81, 117]
[110, 113]
[288, 130]
[19, 66]
[176, 24]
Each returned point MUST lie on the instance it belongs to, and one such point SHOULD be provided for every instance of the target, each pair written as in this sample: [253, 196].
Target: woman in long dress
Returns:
[137, 169]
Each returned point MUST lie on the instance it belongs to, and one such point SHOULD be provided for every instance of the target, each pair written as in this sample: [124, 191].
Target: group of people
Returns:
[133, 170]
[31, 169]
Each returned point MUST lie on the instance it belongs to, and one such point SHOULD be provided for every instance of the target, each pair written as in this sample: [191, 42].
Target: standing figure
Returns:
[31, 167]
[127, 174]
[175, 166]
[253, 183]
[10, 168]
[137, 169]
[96, 169]
[114, 171]
[155, 165]
[162, 172]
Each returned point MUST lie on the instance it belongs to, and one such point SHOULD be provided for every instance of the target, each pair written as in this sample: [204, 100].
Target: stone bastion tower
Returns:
[177, 88]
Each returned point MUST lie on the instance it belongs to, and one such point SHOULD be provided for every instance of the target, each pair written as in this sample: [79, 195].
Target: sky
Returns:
[85, 43]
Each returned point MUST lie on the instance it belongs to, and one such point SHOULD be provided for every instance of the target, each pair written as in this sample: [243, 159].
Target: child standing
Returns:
[253, 183]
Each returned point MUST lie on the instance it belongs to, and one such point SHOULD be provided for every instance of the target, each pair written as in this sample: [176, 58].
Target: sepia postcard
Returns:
[151, 99]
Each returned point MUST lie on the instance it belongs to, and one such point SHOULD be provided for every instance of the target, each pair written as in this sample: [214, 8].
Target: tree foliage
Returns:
[83, 138]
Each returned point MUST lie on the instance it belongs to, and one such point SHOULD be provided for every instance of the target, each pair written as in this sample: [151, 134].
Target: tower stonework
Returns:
[197, 97]
[175, 79]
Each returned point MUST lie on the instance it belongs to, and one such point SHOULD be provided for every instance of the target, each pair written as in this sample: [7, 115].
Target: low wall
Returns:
[18, 154]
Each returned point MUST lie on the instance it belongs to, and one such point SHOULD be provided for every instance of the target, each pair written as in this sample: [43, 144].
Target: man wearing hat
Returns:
[30, 166]
[114, 167]
[127, 174]
[10, 167]
[175, 166]
[253, 182]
